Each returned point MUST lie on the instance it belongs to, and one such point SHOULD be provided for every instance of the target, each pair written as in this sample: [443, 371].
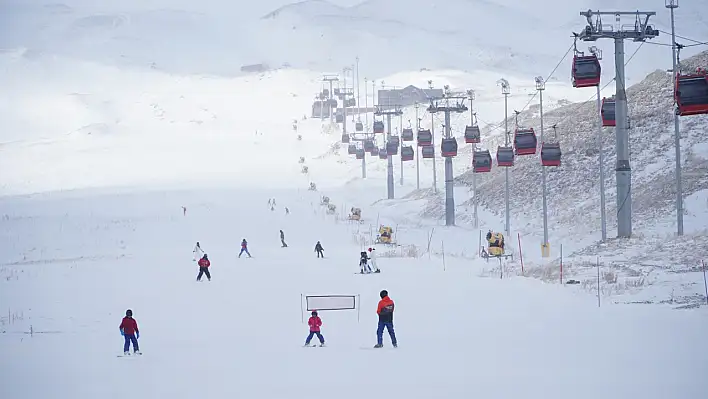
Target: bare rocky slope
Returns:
[573, 188]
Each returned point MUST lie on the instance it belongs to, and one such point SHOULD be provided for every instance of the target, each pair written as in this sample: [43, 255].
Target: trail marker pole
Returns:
[521, 256]
[479, 244]
[442, 243]
[705, 284]
[358, 309]
[598, 281]
[561, 265]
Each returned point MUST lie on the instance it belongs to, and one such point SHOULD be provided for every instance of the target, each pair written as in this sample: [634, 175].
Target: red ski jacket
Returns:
[129, 326]
[385, 310]
[315, 323]
[204, 262]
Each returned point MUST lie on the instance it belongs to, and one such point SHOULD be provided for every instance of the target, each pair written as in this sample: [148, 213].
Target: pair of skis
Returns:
[128, 354]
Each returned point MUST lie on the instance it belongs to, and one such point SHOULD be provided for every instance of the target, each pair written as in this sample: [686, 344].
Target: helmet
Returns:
[129, 313]
[383, 293]
[314, 313]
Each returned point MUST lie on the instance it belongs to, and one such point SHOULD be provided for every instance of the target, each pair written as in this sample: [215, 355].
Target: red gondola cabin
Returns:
[586, 71]
[481, 161]
[607, 112]
[505, 156]
[448, 147]
[525, 141]
[472, 134]
[407, 153]
[550, 154]
[692, 94]
[425, 138]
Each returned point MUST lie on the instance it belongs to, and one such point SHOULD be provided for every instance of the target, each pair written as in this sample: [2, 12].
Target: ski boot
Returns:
[378, 346]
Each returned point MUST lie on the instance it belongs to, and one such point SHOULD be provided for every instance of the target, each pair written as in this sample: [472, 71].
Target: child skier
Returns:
[372, 257]
[198, 252]
[363, 263]
[129, 331]
[204, 268]
[319, 249]
[315, 323]
[244, 248]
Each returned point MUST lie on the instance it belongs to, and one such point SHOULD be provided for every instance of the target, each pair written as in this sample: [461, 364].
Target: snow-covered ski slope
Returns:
[73, 262]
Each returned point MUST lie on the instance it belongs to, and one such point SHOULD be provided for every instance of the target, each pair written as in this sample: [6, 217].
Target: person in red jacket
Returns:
[385, 312]
[315, 323]
[129, 330]
[204, 268]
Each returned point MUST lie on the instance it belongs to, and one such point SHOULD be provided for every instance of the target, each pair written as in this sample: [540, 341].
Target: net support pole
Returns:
[358, 308]
[302, 310]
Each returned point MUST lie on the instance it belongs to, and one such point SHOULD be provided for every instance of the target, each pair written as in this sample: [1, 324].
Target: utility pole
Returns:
[344, 99]
[366, 104]
[432, 132]
[393, 110]
[331, 79]
[470, 94]
[672, 4]
[417, 150]
[358, 92]
[603, 219]
[638, 32]
[400, 144]
[545, 248]
[506, 90]
[445, 106]
[362, 137]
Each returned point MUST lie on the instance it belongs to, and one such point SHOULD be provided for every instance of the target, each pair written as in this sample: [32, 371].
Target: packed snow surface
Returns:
[74, 262]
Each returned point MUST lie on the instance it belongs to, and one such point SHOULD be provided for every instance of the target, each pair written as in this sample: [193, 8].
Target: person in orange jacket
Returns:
[385, 312]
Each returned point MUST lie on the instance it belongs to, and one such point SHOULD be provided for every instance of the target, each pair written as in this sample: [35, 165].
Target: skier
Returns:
[204, 268]
[198, 252]
[372, 257]
[129, 331]
[363, 263]
[385, 312]
[319, 249]
[244, 248]
[315, 323]
[282, 239]
[287, 211]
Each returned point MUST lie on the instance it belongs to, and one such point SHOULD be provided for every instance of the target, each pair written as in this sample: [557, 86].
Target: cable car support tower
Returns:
[638, 32]
[506, 90]
[672, 4]
[331, 79]
[391, 110]
[448, 104]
